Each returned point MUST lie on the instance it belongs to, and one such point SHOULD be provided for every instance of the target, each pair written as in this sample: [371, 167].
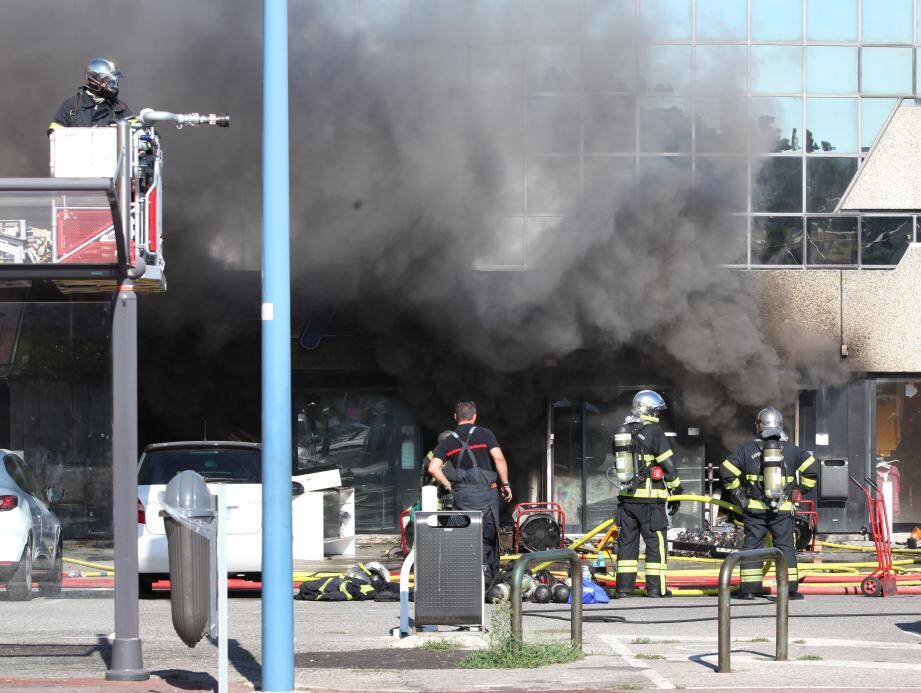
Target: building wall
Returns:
[876, 314]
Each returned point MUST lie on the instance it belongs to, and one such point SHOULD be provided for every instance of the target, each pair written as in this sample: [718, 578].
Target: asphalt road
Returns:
[835, 642]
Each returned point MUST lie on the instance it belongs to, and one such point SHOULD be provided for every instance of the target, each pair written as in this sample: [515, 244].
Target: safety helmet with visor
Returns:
[769, 423]
[648, 403]
[102, 77]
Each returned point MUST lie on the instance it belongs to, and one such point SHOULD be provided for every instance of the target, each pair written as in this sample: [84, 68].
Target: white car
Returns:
[239, 465]
[30, 533]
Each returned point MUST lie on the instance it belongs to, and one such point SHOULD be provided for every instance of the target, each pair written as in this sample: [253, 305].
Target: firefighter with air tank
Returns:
[760, 477]
[646, 471]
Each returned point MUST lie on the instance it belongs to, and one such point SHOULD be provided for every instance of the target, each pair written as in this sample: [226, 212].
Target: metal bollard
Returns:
[575, 574]
[780, 568]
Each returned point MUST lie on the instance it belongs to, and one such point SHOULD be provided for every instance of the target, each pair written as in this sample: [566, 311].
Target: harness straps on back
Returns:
[465, 448]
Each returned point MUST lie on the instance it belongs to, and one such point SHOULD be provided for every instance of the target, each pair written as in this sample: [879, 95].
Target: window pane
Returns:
[552, 20]
[777, 240]
[554, 68]
[722, 19]
[504, 244]
[666, 19]
[721, 124]
[777, 184]
[554, 184]
[666, 69]
[666, 170]
[898, 440]
[874, 113]
[609, 123]
[777, 20]
[722, 181]
[778, 124]
[722, 68]
[665, 124]
[608, 20]
[831, 241]
[608, 68]
[886, 71]
[608, 180]
[884, 239]
[832, 20]
[777, 69]
[831, 70]
[887, 21]
[831, 125]
[826, 180]
[553, 124]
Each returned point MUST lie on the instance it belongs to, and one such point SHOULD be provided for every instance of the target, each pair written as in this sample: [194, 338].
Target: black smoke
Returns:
[410, 163]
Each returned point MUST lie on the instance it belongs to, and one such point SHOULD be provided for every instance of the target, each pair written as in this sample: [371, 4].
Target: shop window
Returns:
[884, 240]
[831, 125]
[608, 20]
[373, 441]
[826, 180]
[778, 124]
[887, 21]
[722, 69]
[609, 68]
[777, 184]
[832, 20]
[720, 125]
[722, 20]
[831, 69]
[777, 69]
[777, 20]
[666, 19]
[666, 69]
[665, 124]
[608, 123]
[898, 447]
[873, 115]
[886, 71]
[777, 241]
[831, 241]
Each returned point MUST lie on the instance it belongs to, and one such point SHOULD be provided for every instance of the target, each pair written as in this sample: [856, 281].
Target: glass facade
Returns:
[596, 92]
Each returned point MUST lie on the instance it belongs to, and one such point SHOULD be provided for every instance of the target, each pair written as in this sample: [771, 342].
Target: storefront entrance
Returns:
[581, 432]
[898, 447]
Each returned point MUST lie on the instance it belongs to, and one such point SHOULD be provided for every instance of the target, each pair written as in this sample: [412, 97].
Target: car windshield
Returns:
[229, 465]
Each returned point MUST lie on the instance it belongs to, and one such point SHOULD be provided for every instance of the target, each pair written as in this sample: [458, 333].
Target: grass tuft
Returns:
[640, 641]
[810, 658]
[759, 640]
[439, 645]
[505, 652]
[649, 656]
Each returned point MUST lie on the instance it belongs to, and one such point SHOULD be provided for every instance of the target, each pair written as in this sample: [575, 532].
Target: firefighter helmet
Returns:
[648, 403]
[770, 423]
[102, 77]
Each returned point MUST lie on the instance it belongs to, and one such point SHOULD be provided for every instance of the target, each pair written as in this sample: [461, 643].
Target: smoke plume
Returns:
[463, 179]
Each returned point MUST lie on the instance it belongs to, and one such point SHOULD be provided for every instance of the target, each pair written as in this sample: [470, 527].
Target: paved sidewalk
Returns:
[835, 642]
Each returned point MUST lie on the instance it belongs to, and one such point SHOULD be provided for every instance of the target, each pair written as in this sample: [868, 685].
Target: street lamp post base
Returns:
[127, 662]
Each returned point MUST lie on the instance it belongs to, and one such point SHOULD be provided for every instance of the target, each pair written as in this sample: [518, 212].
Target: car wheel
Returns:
[51, 587]
[19, 588]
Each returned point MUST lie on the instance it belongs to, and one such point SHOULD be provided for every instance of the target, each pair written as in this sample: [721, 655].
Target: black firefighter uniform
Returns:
[741, 475]
[641, 509]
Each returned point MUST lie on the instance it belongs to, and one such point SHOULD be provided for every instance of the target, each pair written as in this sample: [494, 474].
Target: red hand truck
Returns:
[881, 582]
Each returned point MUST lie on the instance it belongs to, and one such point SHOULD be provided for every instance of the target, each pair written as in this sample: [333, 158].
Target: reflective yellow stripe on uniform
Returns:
[805, 465]
[806, 482]
[730, 485]
[656, 569]
[626, 566]
[673, 484]
[648, 493]
[55, 126]
[735, 471]
[664, 456]
[751, 575]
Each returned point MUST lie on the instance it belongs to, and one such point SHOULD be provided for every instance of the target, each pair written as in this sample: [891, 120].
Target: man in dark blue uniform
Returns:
[95, 104]
[766, 496]
[478, 474]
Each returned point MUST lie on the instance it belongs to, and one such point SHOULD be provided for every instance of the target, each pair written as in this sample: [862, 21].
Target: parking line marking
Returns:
[626, 653]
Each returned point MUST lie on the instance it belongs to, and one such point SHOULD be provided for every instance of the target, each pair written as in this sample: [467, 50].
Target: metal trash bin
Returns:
[833, 480]
[449, 568]
[188, 518]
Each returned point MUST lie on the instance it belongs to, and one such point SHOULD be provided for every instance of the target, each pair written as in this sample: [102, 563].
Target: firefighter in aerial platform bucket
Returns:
[760, 477]
[646, 472]
[96, 103]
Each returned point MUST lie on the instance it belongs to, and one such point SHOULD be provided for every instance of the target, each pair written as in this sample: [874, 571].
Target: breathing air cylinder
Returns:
[772, 471]
[624, 461]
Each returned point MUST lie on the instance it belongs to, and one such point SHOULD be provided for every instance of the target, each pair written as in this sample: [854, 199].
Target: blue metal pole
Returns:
[277, 595]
